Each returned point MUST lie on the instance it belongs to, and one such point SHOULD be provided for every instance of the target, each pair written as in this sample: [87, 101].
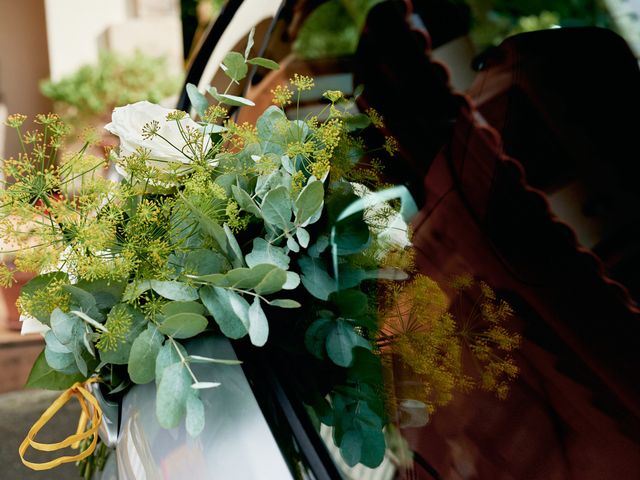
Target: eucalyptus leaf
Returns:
[231, 100]
[228, 309]
[63, 325]
[264, 252]
[309, 201]
[236, 68]
[315, 278]
[264, 62]
[258, 324]
[105, 292]
[320, 246]
[316, 336]
[85, 301]
[303, 237]
[167, 355]
[234, 248]
[340, 342]
[183, 325]
[247, 49]
[197, 99]
[204, 262]
[351, 303]
[292, 244]
[43, 376]
[293, 281]
[134, 290]
[357, 122]
[268, 123]
[172, 290]
[263, 278]
[351, 447]
[276, 208]
[142, 359]
[54, 345]
[284, 303]
[352, 277]
[200, 359]
[288, 164]
[245, 201]
[173, 308]
[58, 361]
[195, 415]
[172, 394]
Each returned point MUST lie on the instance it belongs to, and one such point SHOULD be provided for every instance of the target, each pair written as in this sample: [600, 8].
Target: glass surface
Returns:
[235, 444]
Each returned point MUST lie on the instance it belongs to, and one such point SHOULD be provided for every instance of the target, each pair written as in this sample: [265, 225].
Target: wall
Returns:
[23, 62]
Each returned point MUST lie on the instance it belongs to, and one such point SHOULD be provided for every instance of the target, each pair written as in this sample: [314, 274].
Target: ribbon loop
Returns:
[90, 410]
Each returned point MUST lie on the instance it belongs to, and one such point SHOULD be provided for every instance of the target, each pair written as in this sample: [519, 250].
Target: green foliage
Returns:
[494, 20]
[142, 359]
[217, 227]
[44, 376]
[115, 80]
[333, 29]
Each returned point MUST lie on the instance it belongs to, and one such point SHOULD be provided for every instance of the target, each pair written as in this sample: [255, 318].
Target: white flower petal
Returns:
[32, 325]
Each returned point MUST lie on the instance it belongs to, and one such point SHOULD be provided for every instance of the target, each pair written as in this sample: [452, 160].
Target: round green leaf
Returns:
[172, 395]
[173, 308]
[195, 415]
[174, 290]
[309, 201]
[340, 342]
[258, 324]
[234, 66]
[142, 359]
[183, 325]
[284, 303]
[264, 62]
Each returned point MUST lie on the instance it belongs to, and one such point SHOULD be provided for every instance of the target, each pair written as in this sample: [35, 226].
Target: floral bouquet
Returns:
[215, 226]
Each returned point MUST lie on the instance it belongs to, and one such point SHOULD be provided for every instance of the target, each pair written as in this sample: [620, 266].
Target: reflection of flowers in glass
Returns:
[169, 142]
[432, 334]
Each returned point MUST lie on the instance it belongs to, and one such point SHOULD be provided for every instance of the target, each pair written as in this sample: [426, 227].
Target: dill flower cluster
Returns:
[431, 336]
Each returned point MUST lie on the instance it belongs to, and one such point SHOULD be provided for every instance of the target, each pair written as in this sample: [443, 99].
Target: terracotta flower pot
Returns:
[9, 314]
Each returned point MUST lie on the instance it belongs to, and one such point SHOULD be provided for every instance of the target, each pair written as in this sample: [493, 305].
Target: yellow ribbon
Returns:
[86, 400]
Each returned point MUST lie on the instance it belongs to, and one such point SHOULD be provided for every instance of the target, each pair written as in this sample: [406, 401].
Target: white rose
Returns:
[127, 122]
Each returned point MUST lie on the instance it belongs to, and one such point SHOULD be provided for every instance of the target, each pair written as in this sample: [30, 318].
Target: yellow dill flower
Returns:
[235, 220]
[319, 168]
[176, 115]
[484, 333]
[267, 164]
[429, 341]
[152, 307]
[375, 117]
[461, 282]
[118, 324]
[42, 302]
[6, 276]
[215, 113]
[240, 135]
[217, 191]
[333, 95]
[305, 149]
[15, 120]
[37, 259]
[390, 145]
[297, 183]
[302, 82]
[281, 95]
